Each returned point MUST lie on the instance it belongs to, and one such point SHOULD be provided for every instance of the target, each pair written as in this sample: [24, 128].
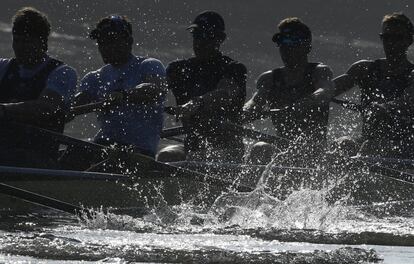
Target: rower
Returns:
[36, 90]
[132, 85]
[209, 88]
[383, 83]
[301, 90]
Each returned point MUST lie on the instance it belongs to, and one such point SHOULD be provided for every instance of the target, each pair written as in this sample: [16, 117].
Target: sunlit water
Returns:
[258, 228]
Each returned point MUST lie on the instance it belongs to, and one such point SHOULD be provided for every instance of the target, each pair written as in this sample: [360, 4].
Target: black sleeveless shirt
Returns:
[377, 87]
[191, 78]
[310, 123]
[13, 88]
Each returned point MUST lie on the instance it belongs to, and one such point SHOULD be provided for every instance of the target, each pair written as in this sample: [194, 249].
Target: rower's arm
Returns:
[36, 112]
[351, 78]
[323, 81]
[153, 88]
[254, 107]
[53, 101]
[230, 90]
[151, 91]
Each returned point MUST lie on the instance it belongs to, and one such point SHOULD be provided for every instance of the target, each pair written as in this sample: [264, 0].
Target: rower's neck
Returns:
[400, 61]
[35, 62]
[297, 69]
[397, 65]
[121, 63]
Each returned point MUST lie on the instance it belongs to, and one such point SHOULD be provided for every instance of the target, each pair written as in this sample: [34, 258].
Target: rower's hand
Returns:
[114, 99]
[376, 112]
[186, 111]
[145, 92]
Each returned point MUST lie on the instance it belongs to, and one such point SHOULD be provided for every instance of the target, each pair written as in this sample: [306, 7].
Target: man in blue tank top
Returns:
[135, 116]
[300, 90]
[35, 89]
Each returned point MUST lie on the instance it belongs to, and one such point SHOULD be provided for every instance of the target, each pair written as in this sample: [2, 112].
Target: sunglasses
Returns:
[290, 40]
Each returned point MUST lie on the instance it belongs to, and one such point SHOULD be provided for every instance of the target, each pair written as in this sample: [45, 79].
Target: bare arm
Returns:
[254, 107]
[153, 88]
[38, 111]
[325, 92]
[351, 78]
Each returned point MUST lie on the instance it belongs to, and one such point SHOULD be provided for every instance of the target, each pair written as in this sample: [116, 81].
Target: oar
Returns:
[35, 174]
[389, 161]
[87, 108]
[141, 159]
[247, 132]
[348, 105]
[44, 201]
[390, 172]
[172, 132]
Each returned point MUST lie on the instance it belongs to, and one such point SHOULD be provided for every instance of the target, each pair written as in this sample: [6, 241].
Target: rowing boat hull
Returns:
[159, 189]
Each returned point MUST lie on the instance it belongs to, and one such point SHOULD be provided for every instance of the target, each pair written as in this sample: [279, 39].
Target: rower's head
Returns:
[31, 30]
[397, 35]
[113, 35]
[294, 40]
[208, 33]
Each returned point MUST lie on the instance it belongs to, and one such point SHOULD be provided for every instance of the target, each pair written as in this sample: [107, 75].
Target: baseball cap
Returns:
[112, 25]
[208, 21]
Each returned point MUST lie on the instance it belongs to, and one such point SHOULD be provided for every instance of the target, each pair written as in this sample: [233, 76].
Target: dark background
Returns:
[344, 31]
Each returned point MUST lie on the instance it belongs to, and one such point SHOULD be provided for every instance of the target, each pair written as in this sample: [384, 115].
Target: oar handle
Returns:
[87, 108]
[348, 105]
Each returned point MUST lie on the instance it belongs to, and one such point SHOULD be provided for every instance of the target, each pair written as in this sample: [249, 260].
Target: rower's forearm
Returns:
[39, 111]
[149, 94]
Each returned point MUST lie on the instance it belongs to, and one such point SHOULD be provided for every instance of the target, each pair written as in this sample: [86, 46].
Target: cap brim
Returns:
[192, 27]
[275, 37]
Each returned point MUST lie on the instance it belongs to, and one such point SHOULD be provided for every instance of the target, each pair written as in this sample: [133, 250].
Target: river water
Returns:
[254, 228]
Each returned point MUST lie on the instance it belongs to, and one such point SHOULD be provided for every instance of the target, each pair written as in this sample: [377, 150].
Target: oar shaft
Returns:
[172, 132]
[347, 104]
[141, 159]
[385, 171]
[43, 200]
[35, 174]
[85, 109]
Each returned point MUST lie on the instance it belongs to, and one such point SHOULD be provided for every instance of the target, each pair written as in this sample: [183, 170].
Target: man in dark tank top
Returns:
[35, 90]
[300, 89]
[209, 88]
[384, 84]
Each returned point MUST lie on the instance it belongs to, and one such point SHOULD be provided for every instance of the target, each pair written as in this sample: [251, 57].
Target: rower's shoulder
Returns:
[149, 65]
[4, 62]
[361, 66]
[179, 66]
[323, 71]
[265, 80]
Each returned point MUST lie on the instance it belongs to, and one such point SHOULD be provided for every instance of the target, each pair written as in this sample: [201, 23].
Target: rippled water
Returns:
[260, 229]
